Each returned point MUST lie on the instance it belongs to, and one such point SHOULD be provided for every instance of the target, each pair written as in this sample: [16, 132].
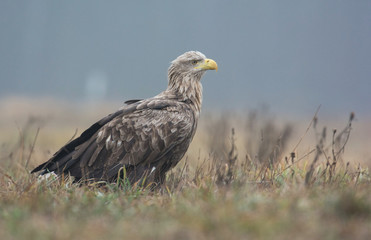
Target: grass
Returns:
[244, 183]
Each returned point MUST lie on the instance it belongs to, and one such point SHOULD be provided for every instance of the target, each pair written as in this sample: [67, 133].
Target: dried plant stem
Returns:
[32, 148]
[307, 130]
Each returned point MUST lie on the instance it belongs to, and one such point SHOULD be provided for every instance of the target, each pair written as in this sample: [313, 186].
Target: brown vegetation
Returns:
[244, 177]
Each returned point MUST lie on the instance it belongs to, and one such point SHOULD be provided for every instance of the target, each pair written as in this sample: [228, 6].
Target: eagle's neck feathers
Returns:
[186, 87]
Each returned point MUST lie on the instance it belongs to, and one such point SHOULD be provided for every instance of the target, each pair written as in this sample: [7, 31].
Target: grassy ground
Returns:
[256, 182]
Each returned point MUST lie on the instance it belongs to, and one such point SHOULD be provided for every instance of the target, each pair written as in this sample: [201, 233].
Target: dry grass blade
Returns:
[32, 148]
[312, 122]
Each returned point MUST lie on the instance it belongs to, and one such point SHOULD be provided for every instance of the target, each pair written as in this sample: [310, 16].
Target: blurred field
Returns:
[268, 178]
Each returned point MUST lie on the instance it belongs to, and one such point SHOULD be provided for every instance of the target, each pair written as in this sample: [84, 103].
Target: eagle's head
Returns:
[184, 75]
[192, 63]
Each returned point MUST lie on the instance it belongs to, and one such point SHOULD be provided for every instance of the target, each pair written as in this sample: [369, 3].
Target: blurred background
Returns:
[285, 56]
[289, 55]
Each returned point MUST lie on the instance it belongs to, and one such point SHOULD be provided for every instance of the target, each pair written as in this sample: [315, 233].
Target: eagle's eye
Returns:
[194, 62]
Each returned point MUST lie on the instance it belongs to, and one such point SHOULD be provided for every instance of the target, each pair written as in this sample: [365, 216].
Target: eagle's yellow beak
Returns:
[208, 64]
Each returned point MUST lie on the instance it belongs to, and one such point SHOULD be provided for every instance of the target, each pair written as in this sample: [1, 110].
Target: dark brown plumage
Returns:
[145, 138]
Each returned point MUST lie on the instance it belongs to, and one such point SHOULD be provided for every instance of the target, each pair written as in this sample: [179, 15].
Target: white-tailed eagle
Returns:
[144, 138]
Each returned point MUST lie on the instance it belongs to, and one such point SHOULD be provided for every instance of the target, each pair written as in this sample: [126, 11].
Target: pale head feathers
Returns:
[184, 78]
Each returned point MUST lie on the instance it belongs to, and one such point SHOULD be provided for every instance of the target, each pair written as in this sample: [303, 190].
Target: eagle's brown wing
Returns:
[146, 137]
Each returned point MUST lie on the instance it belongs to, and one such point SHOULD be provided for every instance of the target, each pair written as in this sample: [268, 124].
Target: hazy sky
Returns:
[290, 55]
